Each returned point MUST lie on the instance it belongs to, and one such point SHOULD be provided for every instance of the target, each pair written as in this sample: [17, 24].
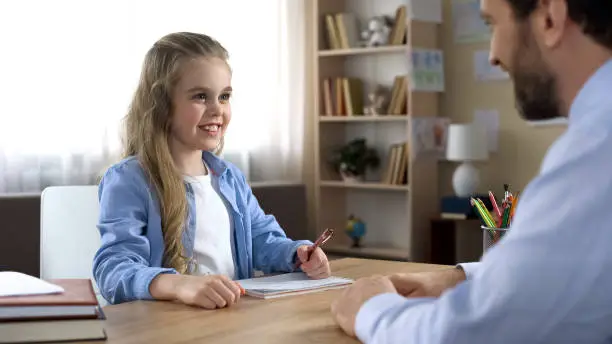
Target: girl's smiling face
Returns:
[201, 108]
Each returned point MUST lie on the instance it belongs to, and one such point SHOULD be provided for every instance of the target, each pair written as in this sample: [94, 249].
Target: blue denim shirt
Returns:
[132, 245]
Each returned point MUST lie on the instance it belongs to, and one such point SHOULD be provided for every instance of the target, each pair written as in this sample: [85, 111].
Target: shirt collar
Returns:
[216, 165]
[594, 93]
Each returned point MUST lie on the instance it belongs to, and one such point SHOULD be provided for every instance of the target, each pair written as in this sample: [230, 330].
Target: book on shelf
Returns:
[328, 107]
[342, 30]
[396, 170]
[72, 314]
[353, 96]
[348, 30]
[399, 96]
[333, 41]
[344, 98]
[340, 108]
[398, 31]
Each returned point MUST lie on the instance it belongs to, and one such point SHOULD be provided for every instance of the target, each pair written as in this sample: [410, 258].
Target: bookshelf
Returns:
[397, 214]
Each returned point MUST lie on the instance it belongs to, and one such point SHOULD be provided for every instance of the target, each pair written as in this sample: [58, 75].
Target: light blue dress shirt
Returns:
[550, 279]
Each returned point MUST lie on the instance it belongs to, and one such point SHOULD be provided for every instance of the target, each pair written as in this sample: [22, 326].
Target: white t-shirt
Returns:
[213, 244]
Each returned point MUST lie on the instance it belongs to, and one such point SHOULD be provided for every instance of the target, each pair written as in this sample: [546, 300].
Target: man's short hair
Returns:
[593, 16]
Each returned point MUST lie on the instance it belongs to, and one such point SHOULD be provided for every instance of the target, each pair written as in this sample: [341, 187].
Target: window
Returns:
[69, 69]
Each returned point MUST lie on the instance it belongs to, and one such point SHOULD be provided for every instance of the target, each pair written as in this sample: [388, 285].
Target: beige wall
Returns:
[521, 147]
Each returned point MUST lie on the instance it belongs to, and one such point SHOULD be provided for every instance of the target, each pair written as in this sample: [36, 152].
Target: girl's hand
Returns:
[317, 266]
[210, 292]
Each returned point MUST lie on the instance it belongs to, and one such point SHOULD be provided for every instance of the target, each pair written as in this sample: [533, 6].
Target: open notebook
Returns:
[290, 284]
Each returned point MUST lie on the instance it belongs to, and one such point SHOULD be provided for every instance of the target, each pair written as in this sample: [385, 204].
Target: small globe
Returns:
[355, 229]
[358, 229]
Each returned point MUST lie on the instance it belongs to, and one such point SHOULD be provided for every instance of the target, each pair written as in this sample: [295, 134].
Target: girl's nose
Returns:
[214, 108]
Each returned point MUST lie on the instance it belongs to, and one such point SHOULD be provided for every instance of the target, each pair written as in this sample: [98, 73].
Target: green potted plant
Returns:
[353, 159]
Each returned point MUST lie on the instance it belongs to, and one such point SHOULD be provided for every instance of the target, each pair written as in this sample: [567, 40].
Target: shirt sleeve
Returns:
[469, 269]
[121, 266]
[547, 281]
[273, 251]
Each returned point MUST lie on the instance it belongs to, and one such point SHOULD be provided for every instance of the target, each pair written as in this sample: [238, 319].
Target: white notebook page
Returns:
[294, 281]
[16, 284]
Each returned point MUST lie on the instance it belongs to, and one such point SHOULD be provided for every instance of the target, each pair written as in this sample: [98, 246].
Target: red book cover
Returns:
[77, 292]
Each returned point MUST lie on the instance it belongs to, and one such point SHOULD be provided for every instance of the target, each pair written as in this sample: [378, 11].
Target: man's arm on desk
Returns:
[430, 283]
[547, 281]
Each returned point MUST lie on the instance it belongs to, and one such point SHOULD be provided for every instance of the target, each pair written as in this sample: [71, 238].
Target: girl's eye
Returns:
[200, 96]
[224, 98]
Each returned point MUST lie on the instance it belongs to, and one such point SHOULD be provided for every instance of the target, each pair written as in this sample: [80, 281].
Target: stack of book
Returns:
[71, 315]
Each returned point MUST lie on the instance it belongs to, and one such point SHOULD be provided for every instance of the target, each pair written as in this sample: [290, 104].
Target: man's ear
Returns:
[550, 21]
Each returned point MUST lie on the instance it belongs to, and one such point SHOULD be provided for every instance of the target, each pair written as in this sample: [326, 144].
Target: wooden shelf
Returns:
[364, 51]
[379, 118]
[386, 253]
[364, 185]
[401, 212]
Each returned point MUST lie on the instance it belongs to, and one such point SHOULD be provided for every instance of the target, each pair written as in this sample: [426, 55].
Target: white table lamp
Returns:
[466, 143]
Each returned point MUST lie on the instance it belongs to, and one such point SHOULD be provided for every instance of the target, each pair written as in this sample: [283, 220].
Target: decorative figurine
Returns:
[356, 229]
[377, 101]
[377, 31]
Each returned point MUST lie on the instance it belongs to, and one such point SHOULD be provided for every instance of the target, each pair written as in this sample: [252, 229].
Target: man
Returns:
[550, 279]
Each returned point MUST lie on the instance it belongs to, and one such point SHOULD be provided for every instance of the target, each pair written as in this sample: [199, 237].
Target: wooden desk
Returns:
[294, 319]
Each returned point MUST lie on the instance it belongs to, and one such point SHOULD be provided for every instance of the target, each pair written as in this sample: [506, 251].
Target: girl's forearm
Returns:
[164, 286]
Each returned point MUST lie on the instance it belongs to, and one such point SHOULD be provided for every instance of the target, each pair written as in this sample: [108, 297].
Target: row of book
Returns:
[342, 29]
[396, 170]
[344, 96]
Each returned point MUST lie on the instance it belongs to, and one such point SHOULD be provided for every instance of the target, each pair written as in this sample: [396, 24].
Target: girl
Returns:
[176, 221]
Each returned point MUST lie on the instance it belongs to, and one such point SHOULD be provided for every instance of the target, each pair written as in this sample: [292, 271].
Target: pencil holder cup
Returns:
[491, 236]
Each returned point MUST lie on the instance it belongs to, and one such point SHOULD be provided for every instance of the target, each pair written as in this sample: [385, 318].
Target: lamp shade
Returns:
[467, 142]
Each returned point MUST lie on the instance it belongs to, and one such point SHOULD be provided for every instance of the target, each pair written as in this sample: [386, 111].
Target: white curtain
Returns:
[68, 69]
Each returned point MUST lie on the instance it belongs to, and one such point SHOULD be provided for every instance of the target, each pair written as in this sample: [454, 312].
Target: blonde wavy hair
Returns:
[147, 129]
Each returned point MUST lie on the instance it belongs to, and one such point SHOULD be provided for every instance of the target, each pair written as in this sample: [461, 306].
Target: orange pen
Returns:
[322, 239]
[514, 205]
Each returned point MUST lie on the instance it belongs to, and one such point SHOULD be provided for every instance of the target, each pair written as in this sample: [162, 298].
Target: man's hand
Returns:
[317, 266]
[345, 308]
[427, 284]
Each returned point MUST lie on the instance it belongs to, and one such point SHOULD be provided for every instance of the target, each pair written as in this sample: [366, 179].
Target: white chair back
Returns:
[69, 238]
